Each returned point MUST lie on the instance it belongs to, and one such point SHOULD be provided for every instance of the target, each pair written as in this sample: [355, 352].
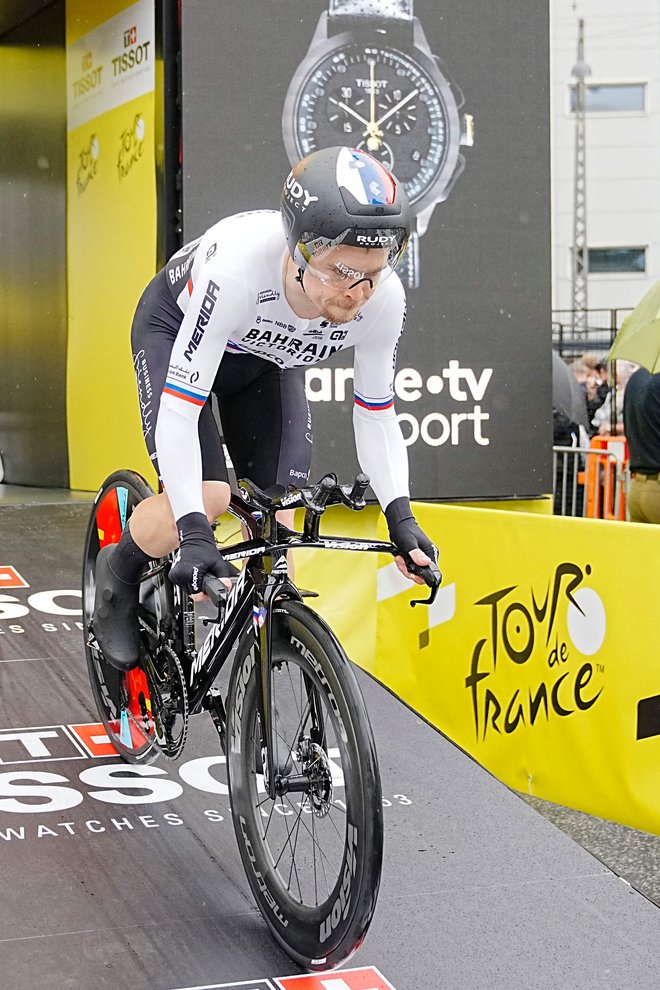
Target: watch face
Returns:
[378, 100]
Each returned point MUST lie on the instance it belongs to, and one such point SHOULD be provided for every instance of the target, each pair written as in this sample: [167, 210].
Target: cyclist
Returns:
[239, 313]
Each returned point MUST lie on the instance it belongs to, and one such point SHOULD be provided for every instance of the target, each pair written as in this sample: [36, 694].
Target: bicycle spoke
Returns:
[311, 834]
[293, 859]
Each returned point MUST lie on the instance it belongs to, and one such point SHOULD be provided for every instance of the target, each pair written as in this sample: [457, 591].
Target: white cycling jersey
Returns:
[229, 287]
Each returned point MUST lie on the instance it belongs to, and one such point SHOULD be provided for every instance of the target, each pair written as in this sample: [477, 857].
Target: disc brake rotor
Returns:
[319, 771]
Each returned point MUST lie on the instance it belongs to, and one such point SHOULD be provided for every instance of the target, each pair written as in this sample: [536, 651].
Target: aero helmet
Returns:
[340, 196]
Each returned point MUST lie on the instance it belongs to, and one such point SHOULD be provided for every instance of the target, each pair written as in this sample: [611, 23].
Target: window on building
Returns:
[613, 98]
[617, 260]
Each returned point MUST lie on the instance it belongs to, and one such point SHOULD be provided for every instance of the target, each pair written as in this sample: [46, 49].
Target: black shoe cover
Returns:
[115, 622]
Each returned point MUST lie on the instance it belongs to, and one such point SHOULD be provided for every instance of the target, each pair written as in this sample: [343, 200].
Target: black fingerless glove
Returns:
[197, 554]
[404, 531]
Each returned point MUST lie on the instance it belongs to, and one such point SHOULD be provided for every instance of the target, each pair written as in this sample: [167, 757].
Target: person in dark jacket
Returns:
[641, 418]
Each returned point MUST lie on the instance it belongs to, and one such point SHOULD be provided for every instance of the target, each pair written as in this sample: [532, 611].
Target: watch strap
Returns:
[401, 10]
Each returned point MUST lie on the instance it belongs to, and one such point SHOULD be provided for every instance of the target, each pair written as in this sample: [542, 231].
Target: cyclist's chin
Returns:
[339, 312]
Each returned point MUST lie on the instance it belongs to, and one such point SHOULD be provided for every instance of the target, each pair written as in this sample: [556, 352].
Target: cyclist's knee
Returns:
[216, 495]
[152, 526]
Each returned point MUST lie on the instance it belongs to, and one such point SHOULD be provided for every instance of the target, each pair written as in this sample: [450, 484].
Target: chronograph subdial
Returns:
[398, 112]
[348, 111]
[382, 152]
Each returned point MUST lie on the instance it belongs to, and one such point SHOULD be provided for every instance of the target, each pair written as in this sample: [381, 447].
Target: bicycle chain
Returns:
[170, 751]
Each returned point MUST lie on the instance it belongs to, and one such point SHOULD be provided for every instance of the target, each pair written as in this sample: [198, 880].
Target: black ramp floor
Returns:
[112, 880]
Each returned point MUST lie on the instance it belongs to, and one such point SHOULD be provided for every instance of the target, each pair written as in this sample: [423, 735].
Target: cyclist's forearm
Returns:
[382, 453]
[179, 456]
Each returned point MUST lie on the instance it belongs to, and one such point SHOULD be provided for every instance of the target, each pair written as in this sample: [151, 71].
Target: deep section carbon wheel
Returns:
[124, 701]
[313, 854]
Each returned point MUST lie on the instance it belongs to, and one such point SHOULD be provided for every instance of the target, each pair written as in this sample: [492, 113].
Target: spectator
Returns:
[602, 421]
[591, 373]
[641, 416]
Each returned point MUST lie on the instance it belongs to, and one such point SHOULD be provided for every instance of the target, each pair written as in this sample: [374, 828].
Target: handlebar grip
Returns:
[360, 486]
[324, 490]
[431, 574]
[214, 588]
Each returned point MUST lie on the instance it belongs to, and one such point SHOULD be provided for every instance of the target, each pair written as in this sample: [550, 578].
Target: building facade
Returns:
[622, 50]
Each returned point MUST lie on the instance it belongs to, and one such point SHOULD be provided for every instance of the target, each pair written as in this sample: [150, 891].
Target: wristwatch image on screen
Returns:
[369, 80]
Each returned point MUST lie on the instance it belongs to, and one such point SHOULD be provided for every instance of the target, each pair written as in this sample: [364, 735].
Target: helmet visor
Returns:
[352, 257]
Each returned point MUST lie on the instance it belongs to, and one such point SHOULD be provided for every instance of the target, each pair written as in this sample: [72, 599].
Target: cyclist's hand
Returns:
[407, 537]
[417, 557]
[197, 555]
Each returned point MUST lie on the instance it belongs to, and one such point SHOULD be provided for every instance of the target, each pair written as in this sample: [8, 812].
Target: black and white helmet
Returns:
[340, 196]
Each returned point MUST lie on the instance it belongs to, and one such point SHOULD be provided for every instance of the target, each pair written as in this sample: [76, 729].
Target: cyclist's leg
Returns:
[266, 422]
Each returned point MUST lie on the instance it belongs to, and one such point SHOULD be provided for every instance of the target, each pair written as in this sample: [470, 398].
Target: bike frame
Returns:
[263, 581]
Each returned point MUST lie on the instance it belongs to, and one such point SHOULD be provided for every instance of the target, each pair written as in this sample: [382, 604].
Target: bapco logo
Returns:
[88, 163]
[549, 641]
[131, 146]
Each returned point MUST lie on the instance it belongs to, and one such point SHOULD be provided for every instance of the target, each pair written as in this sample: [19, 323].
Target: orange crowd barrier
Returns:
[604, 478]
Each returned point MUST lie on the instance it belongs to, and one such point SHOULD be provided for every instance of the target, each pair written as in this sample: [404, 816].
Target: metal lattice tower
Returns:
[580, 251]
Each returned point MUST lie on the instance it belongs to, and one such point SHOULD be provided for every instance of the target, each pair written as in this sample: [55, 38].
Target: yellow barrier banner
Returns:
[538, 656]
[111, 228]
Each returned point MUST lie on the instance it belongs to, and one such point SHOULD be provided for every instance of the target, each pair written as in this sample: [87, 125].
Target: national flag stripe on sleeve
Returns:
[374, 404]
[188, 394]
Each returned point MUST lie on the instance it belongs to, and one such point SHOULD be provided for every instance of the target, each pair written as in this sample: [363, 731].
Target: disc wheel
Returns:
[313, 854]
[124, 700]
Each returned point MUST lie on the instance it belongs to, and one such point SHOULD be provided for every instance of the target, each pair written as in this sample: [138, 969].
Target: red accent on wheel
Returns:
[139, 699]
[108, 519]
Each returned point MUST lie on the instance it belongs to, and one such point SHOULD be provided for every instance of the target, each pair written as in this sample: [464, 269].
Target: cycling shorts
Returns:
[264, 413]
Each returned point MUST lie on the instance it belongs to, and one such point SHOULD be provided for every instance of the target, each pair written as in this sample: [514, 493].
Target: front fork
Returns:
[265, 598]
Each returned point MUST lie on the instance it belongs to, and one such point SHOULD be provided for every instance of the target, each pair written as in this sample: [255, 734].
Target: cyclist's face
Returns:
[340, 282]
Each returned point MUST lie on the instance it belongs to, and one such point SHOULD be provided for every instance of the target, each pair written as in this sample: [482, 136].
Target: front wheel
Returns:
[313, 855]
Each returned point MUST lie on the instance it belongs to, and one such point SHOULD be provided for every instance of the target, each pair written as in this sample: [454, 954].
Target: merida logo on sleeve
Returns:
[203, 317]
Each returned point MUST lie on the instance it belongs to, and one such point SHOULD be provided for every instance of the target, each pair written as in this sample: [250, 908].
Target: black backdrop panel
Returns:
[474, 378]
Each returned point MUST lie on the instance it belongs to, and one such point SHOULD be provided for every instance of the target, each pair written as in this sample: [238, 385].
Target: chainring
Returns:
[169, 714]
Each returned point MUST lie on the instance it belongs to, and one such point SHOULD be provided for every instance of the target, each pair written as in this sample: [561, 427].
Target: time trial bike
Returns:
[302, 768]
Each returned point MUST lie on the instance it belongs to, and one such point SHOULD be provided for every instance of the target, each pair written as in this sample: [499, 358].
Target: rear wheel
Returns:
[313, 855]
[129, 703]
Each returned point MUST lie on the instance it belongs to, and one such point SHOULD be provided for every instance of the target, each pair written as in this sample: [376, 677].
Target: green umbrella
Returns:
[638, 339]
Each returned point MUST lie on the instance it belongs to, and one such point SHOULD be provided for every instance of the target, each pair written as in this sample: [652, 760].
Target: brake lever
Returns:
[432, 577]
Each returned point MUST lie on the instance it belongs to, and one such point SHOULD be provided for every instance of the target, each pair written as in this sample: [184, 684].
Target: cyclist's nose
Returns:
[361, 290]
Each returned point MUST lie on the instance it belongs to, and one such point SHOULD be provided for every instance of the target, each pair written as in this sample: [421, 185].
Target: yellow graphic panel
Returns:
[111, 231]
[539, 656]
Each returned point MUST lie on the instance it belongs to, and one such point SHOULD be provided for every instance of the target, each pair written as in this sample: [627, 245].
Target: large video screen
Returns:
[453, 97]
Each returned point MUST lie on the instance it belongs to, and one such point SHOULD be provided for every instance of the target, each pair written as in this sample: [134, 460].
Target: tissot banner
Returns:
[111, 228]
[454, 98]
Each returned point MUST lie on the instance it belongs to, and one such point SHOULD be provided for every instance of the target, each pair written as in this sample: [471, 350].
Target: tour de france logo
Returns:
[537, 661]
[88, 163]
[131, 146]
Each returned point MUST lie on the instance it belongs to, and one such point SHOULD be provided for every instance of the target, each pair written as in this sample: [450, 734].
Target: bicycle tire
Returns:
[121, 699]
[322, 929]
